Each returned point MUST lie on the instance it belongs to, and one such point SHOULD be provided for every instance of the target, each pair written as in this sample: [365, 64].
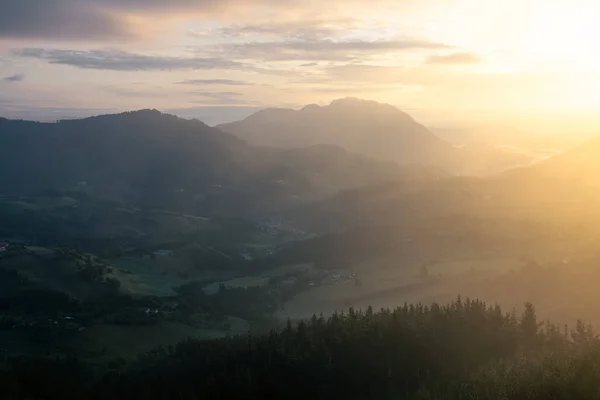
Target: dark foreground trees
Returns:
[463, 350]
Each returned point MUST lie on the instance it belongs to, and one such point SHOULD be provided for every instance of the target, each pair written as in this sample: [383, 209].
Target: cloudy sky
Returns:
[445, 61]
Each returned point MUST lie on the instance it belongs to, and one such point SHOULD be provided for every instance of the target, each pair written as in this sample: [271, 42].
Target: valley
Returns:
[105, 259]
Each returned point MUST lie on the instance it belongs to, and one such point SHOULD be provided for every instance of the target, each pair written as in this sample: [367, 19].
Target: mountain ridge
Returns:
[159, 159]
[377, 130]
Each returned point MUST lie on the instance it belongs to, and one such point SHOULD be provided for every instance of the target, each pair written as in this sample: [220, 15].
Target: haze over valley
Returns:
[124, 189]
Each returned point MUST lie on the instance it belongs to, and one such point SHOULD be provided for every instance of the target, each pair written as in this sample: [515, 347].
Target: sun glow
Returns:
[564, 35]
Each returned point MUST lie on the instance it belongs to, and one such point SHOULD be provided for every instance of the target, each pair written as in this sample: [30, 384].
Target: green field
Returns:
[385, 285]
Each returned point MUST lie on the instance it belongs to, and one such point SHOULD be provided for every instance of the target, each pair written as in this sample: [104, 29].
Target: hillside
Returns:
[152, 159]
[548, 210]
[568, 180]
[377, 130]
[580, 163]
[561, 190]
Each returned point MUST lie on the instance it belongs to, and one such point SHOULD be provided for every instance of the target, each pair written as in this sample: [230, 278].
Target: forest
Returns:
[464, 350]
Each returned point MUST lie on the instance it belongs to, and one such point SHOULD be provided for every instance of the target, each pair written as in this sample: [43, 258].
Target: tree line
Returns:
[463, 350]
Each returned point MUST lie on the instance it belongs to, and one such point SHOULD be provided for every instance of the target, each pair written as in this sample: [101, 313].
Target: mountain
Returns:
[158, 160]
[549, 210]
[580, 163]
[356, 125]
[406, 205]
[373, 129]
[570, 178]
[562, 190]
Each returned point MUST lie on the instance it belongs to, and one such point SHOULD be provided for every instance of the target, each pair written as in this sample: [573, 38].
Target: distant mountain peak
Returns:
[377, 130]
[134, 114]
[357, 102]
[363, 106]
[311, 107]
[143, 113]
[146, 157]
[146, 111]
[141, 117]
[360, 126]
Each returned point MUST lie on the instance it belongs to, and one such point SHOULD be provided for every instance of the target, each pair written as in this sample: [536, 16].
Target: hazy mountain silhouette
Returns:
[398, 204]
[377, 130]
[564, 189]
[570, 177]
[146, 157]
[580, 163]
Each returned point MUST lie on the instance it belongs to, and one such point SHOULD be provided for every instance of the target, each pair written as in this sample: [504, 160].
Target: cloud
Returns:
[216, 95]
[60, 19]
[88, 19]
[247, 57]
[85, 20]
[370, 74]
[453, 59]
[338, 90]
[225, 82]
[361, 73]
[310, 29]
[117, 60]
[222, 101]
[218, 98]
[322, 50]
[5, 103]
[135, 90]
[110, 19]
[14, 78]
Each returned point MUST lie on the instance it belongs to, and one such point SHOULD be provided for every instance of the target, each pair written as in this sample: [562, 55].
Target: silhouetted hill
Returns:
[399, 203]
[351, 123]
[580, 163]
[569, 179]
[377, 130]
[570, 175]
[149, 158]
[563, 190]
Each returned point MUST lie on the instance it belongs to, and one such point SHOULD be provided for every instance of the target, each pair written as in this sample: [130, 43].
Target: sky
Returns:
[447, 62]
